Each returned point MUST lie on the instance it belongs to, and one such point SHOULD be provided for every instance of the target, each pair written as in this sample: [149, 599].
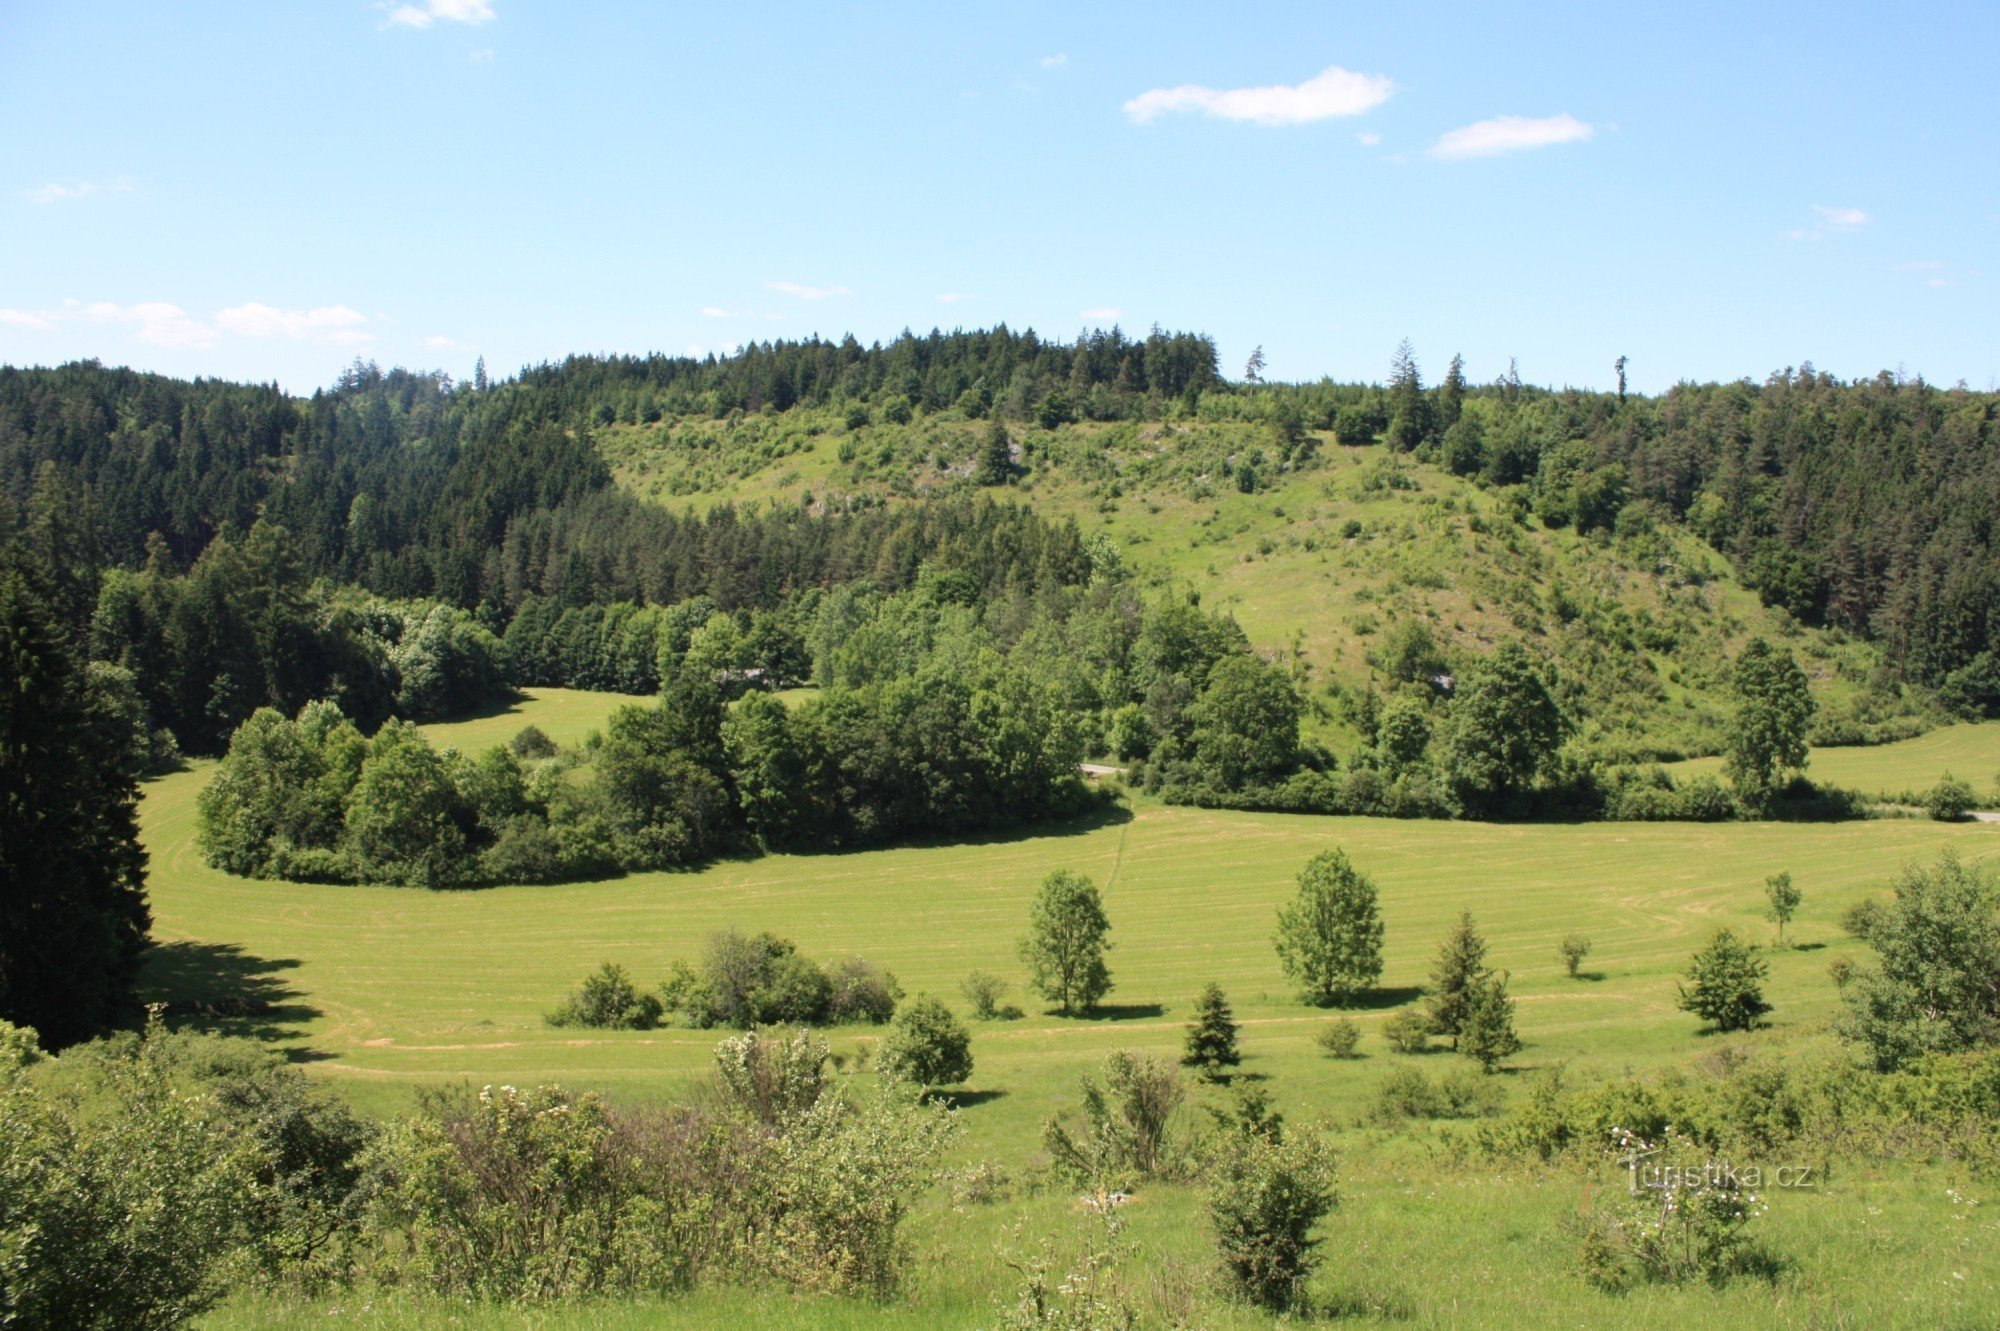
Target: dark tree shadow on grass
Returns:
[965, 1099]
[1124, 1012]
[1374, 1000]
[224, 990]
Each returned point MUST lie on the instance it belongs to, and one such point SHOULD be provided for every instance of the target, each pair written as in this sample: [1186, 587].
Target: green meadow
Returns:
[1902, 771]
[384, 991]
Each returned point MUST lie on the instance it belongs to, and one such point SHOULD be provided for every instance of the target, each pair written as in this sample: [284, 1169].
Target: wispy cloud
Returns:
[1332, 92]
[1841, 219]
[441, 11]
[334, 324]
[65, 190]
[951, 297]
[1056, 61]
[439, 342]
[1368, 140]
[805, 292]
[1510, 134]
[1103, 313]
[162, 324]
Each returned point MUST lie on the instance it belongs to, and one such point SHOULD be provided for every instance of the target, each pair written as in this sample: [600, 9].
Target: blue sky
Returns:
[264, 190]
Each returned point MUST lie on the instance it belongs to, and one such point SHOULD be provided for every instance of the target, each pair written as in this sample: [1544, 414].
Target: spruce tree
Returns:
[1461, 965]
[996, 455]
[1726, 984]
[1486, 1031]
[1211, 1036]
[1451, 395]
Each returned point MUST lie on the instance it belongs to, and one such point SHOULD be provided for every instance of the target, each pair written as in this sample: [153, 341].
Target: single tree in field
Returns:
[1619, 365]
[1725, 985]
[1253, 369]
[1784, 899]
[1574, 949]
[1486, 1034]
[1066, 942]
[1461, 964]
[1211, 1036]
[983, 989]
[996, 455]
[927, 1045]
[1773, 710]
[1330, 936]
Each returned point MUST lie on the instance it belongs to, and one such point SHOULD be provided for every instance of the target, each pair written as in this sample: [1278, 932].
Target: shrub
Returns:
[926, 1045]
[1407, 1031]
[1684, 1222]
[1860, 918]
[1949, 800]
[1265, 1199]
[1574, 949]
[608, 1000]
[1408, 1093]
[1339, 1038]
[772, 1076]
[983, 990]
[1934, 989]
[1077, 1292]
[530, 742]
[860, 991]
[763, 980]
[1127, 1124]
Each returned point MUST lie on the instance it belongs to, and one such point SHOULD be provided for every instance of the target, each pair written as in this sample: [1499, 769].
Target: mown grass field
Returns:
[1903, 770]
[384, 991]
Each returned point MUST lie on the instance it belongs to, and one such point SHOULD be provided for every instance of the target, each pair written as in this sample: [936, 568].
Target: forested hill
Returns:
[1864, 508]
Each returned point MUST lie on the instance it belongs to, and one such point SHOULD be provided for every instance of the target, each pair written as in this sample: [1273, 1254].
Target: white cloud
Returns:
[62, 191]
[481, 56]
[448, 11]
[1940, 282]
[1056, 61]
[1842, 219]
[1368, 140]
[804, 292]
[159, 323]
[951, 297]
[24, 319]
[1332, 92]
[334, 324]
[1510, 134]
[1103, 313]
[440, 342]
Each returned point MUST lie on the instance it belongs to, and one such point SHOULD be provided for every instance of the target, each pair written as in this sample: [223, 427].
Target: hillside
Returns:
[1320, 558]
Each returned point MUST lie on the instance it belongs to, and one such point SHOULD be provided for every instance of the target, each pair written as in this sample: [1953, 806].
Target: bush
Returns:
[1937, 945]
[1949, 800]
[608, 1000]
[1408, 1031]
[771, 1076]
[926, 1045]
[530, 742]
[1128, 1124]
[983, 990]
[1574, 948]
[1726, 984]
[1407, 1093]
[1265, 1199]
[763, 980]
[1686, 1222]
[1339, 1038]
[860, 991]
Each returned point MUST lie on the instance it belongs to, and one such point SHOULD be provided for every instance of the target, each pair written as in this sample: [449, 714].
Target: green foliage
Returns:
[1949, 800]
[1460, 965]
[1504, 729]
[1573, 949]
[772, 1075]
[1330, 935]
[608, 1000]
[1085, 1295]
[1935, 987]
[1682, 1220]
[926, 1045]
[1774, 710]
[73, 913]
[744, 981]
[1128, 1125]
[1211, 1036]
[1783, 897]
[119, 1208]
[1265, 1200]
[1410, 1093]
[1068, 935]
[1407, 1030]
[1245, 724]
[1726, 984]
[1486, 1029]
[983, 990]
[1339, 1038]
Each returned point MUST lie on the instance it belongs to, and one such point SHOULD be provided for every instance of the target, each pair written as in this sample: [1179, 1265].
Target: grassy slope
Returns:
[1900, 771]
[1280, 559]
[386, 990]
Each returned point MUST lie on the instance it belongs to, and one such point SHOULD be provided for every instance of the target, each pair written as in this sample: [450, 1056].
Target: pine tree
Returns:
[1461, 965]
[1486, 1031]
[1211, 1036]
[1451, 395]
[996, 455]
[1409, 423]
